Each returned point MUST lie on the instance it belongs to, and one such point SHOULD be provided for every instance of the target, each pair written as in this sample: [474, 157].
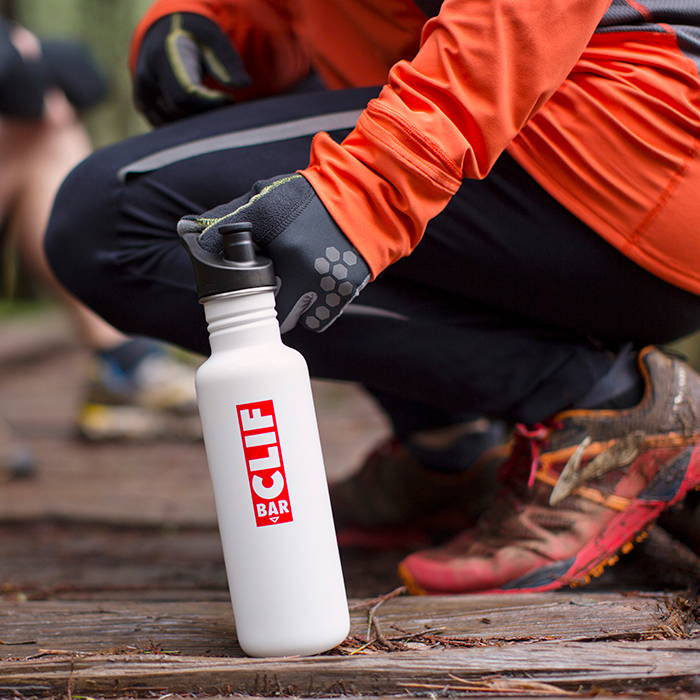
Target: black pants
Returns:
[506, 308]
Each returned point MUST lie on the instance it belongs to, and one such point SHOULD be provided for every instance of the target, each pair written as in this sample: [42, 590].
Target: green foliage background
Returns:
[106, 27]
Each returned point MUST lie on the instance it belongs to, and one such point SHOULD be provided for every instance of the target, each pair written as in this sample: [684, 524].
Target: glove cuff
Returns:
[157, 11]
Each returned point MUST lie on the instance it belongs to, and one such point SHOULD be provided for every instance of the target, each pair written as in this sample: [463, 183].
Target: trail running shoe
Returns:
[393, 501]
[577, 491]
[153, 401]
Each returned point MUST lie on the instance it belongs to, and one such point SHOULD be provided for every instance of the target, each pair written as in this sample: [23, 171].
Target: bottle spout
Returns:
[236, 267]
[238, 243]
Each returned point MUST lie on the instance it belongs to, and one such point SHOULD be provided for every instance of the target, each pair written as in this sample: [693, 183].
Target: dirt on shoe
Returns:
[576, 492]
[393, 501]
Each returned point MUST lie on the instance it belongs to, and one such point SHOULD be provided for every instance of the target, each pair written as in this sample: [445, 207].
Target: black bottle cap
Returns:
[236, 267]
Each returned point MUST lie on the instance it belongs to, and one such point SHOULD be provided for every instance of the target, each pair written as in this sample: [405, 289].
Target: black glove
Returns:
[319, 271]
[178, 52]
[21, 81]
[69, 66]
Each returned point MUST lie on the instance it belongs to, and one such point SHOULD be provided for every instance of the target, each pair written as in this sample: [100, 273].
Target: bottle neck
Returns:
[241, 319]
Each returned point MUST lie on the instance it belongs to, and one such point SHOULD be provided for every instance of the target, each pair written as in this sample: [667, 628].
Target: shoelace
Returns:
[532, 439]
[535, 437]
[528, 443]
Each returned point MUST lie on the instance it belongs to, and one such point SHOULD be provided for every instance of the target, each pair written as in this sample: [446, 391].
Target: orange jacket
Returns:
[600, 104]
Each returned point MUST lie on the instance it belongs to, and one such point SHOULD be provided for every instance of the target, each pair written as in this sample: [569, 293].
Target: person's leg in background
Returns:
[44, 154]
[123, 370]
[496, 315]
[36, 155]
[134, 383]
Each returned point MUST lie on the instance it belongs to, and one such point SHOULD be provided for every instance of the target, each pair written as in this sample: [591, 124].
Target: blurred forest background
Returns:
[105, 26]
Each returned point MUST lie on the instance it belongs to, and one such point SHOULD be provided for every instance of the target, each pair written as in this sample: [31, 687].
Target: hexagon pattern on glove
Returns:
[322, 266]
[332, 272]
[345, 289]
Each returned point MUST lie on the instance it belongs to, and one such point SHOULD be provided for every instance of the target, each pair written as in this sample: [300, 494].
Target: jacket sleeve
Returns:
[263, 32]
[483, 69]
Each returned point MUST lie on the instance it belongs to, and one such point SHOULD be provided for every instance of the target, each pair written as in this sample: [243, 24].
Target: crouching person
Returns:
[520, 195]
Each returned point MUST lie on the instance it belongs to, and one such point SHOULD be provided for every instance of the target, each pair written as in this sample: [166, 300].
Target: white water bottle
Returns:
[264, 455]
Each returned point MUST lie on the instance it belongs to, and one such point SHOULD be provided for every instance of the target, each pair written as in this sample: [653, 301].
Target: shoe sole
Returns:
[595, 557]
[102, 423]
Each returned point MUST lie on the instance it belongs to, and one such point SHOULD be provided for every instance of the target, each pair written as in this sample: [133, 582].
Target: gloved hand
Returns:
[319, 270]
[177, 54]
[69, 66]
[21, 79]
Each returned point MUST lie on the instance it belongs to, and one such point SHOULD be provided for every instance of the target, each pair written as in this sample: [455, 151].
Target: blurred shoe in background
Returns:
[139, 390]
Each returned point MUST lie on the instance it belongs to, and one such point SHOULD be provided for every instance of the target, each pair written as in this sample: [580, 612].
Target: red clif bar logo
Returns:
[263, 456]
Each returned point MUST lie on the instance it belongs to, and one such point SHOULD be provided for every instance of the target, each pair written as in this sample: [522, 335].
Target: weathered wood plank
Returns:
[48, 560]
[112, 483]
[512, 617]
[602, 665]
[422, 693]
[206, 628]
[27, 340]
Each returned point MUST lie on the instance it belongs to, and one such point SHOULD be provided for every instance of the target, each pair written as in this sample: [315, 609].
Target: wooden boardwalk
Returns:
[112, 584]
[550, 644]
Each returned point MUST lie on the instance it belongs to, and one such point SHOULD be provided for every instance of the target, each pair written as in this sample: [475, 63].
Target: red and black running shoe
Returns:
[576, 492]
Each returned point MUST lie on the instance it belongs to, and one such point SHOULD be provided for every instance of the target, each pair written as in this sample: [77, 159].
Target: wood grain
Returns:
[605, 665]
[121, 647]
[206, 628]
